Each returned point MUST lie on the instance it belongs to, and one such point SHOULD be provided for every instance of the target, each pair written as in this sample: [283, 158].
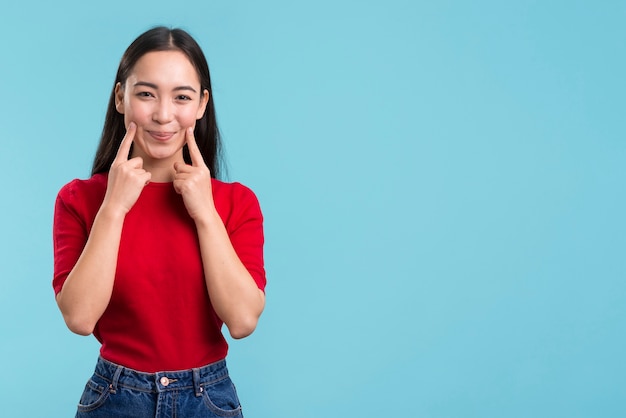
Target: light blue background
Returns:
[443, 186]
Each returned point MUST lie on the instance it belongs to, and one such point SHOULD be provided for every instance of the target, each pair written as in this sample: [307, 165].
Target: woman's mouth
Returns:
[161, 136]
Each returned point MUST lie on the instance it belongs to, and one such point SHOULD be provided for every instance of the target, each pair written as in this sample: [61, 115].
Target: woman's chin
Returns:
[164, 153]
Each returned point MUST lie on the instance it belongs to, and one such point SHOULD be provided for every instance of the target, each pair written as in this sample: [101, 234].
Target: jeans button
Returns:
[165, 381]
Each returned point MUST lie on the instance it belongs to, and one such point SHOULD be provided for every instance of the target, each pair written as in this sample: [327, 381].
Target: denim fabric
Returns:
[115, 391]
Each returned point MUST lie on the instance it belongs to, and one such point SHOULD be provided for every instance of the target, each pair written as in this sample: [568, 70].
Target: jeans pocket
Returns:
[95, 393]
[221, 398]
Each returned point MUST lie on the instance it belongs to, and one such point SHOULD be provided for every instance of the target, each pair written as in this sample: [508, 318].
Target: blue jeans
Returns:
[115, 391]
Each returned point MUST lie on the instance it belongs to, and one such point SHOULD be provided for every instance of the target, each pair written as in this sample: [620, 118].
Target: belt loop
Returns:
[116, 378]
[196, 382]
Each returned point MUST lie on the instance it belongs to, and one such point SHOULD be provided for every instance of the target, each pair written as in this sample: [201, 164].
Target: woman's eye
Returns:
[144, 94]
[183, 97]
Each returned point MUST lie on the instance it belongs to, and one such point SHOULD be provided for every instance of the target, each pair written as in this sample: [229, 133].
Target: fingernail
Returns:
[131, 125]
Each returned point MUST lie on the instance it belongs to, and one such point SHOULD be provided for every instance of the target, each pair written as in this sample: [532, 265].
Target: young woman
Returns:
[153, 254]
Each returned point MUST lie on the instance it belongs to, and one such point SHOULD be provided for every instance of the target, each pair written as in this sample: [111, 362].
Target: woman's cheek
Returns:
[187, 120]
[129, 116]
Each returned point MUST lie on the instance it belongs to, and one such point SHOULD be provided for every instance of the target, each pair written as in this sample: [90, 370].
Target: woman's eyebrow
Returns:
[154, 86]
[189, 88]
[145, 84]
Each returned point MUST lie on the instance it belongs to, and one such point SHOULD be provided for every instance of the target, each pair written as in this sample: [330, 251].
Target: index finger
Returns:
[124, 149]
[194, 152]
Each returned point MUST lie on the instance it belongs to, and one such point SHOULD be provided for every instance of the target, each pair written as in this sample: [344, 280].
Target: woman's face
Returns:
[162, 95]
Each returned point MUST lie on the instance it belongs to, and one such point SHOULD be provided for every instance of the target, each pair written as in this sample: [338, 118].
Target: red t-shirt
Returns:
[160, 316]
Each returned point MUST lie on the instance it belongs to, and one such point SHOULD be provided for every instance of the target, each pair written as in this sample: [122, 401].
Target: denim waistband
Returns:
[194, 379]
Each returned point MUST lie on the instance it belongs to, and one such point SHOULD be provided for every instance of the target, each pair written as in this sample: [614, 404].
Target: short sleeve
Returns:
[245, 229]
[74, 211]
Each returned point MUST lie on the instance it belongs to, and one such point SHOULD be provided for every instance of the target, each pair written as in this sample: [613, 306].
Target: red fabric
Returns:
[160, 317]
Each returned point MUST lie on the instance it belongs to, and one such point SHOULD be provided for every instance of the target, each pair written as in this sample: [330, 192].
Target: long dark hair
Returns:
[206, 132]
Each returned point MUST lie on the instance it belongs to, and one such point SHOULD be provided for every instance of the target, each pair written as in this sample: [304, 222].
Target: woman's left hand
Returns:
[193, 181]
[234, 295]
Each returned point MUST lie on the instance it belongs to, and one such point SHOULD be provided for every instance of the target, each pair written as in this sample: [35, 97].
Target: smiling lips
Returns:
[161, 136]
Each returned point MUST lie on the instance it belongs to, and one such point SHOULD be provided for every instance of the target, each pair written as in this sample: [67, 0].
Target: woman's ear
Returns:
[119, 98]
[203, 102]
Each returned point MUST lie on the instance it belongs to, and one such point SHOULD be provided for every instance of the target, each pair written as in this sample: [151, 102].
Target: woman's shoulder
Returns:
[235, 198]
[234, 191]
[84, 188]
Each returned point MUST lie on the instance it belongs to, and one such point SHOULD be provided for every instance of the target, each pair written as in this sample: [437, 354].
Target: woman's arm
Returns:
[87, 290]
[234, 294]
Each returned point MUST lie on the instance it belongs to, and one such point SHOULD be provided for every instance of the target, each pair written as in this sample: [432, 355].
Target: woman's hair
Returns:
[206, 132]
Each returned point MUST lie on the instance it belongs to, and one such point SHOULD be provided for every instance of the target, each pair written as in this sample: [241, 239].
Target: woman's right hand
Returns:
[127, 177]
[88, 288]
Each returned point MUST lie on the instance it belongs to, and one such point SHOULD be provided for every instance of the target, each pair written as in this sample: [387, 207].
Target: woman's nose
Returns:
[163, 112]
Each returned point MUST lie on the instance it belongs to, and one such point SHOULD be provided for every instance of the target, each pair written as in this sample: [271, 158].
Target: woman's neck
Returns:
[162, 171]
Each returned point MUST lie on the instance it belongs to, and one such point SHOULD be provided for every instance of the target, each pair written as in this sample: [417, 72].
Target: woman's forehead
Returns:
[164, 68]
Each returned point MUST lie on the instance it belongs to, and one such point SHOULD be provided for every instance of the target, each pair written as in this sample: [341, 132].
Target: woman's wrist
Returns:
[208, 220]
[110, 213]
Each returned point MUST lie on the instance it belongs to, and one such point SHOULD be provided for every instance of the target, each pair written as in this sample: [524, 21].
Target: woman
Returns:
[152, 254]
